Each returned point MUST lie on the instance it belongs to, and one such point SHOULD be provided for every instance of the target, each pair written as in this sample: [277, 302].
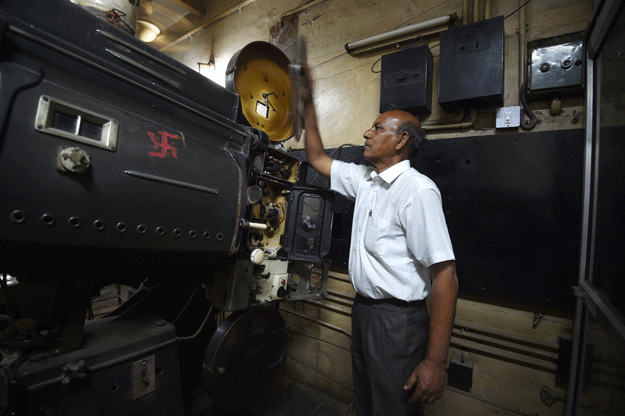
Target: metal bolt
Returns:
[74, 159]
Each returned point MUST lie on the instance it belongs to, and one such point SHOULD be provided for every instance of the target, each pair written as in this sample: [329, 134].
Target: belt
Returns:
[391, 301]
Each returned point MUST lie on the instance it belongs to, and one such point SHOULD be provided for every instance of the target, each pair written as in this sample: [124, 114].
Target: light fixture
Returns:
[147, 31]
[384, 39]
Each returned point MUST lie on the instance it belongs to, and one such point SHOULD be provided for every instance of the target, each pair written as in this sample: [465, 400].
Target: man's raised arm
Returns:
[315, 152]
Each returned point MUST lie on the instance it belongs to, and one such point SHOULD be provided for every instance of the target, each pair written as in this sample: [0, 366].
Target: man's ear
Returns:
[403, 141]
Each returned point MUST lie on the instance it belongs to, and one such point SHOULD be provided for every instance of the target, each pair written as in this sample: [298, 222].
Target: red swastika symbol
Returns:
[166, 147]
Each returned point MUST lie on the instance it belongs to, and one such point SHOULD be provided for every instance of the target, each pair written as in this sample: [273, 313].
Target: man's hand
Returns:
[307, 90]
[429, 377]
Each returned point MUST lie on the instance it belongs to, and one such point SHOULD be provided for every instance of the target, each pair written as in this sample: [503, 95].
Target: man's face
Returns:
[381, 138]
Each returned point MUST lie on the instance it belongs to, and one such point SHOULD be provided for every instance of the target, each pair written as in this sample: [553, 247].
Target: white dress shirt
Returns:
[398, 230]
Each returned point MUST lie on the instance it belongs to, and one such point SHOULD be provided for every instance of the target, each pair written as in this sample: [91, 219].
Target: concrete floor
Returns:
[287, 397]
[290, 398]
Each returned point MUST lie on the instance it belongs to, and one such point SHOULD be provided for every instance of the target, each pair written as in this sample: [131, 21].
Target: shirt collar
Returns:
[390, 174]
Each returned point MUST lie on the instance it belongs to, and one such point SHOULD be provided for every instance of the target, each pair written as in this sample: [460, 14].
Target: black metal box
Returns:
[125, 367]
[406, 81]
[471, 65]
[110, 152]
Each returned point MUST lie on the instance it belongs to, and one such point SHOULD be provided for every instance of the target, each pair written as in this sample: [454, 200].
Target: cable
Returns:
[334, 151]
[527, 109]
[420, 37]
[547, 397]
[376, 72]
[192, 337]
[349, 408]
[187, 304]
[519, 8]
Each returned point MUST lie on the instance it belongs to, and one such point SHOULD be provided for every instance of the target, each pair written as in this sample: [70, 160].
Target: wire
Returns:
[519, 8]
[349, 408]
[187, 304]
[547, 397]
[527, 109]
[334, 152]
[210, 310]
[376, 72]
[420, 37]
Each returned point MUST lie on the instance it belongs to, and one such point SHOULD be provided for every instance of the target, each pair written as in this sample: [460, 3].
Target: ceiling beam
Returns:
[197, 7]
[207, 21]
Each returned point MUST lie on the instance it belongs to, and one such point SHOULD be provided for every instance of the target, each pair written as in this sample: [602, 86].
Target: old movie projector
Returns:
[121, 167]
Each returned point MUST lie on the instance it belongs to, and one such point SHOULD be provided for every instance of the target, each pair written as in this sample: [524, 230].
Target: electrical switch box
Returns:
[406, 81]
[460, 373]
[471, 66]
[556, 65]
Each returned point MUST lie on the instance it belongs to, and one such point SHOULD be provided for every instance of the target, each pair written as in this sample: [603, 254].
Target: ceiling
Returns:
[178, 19]
[165, 13]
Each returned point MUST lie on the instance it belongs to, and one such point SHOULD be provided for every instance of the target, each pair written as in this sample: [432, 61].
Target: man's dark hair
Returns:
[416, 136]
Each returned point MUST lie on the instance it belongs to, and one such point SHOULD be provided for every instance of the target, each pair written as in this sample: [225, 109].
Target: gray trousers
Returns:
[389, 340]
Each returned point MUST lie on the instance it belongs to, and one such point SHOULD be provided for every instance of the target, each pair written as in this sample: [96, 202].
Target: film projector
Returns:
[121, 167]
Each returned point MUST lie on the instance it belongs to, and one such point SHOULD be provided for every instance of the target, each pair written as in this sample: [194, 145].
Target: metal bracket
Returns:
[578, 292]
[143, 377]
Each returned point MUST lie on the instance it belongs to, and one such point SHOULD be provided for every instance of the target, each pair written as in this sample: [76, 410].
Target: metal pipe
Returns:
[466, 125]
[507, 345]
[321, 305]
[476, 10]
[503, 334]
[399, 32]
[340, 277]
[465, 12]
[455, 341]
[318, 321]
[451, 120]
[522, 46]
[470, 345]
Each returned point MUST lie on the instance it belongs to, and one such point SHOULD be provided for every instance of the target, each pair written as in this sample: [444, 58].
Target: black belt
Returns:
[391, 301]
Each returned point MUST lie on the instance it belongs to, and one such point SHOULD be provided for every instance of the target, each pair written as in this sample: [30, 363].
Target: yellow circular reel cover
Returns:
[259, 73]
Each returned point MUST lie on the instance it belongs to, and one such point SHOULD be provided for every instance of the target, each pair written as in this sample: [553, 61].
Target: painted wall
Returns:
[512, 347]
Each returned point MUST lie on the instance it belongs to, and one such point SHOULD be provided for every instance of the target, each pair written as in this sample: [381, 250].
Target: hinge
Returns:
[579, 292]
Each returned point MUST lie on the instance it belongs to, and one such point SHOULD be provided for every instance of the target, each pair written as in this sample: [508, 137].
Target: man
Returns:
[400, 253]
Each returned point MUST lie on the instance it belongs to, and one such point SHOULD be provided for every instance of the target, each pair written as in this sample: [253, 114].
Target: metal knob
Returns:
[73, 159]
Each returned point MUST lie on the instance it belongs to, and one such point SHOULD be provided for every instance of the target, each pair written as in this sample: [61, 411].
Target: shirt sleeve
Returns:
[345, 178]
[426, 229]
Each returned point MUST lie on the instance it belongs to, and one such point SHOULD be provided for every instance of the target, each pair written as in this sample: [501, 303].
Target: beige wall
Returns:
[513, 355]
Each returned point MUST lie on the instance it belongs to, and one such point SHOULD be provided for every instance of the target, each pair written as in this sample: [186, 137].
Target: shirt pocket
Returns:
[377, 239]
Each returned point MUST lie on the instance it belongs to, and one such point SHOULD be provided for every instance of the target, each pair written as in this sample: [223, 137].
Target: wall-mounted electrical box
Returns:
[472, 65]
[556, 65]
[406, 81]
[460, 373]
